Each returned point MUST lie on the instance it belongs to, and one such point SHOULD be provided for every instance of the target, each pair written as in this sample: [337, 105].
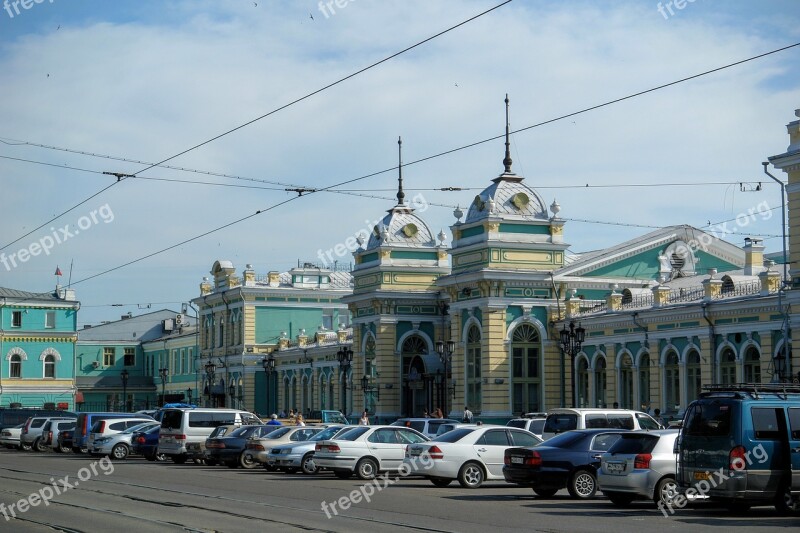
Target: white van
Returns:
[180, 426]
[561, 420]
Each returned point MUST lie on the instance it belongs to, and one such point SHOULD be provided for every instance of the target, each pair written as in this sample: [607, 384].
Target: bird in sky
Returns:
[312, 16]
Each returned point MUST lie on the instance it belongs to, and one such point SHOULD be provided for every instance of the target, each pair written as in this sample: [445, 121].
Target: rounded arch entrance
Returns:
[421, 371]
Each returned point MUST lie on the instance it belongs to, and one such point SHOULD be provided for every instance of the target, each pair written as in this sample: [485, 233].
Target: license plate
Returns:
[702, 475]
[615, 468]
[517, 460]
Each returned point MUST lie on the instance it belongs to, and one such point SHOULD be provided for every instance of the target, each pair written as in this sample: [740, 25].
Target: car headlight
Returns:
[286, 451]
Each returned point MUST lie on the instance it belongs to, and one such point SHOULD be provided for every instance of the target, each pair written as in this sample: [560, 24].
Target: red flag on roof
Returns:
[58, 271]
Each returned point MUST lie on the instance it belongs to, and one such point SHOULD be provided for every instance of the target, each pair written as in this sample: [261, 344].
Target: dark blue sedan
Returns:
[146, 443]
[230, 449]
[568, 460]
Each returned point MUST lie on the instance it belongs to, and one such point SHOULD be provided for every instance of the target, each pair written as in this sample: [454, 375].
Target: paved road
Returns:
[143, 496]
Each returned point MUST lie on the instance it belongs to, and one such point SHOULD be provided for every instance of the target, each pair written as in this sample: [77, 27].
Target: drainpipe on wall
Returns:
[553, 334]
[225, 344]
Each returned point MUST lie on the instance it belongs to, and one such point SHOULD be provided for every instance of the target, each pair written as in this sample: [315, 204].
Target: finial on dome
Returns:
[400, 194]
[507, 159]
[458, 213]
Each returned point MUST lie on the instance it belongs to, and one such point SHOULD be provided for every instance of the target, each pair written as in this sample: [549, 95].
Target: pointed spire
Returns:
[507, 159]
[400, 194]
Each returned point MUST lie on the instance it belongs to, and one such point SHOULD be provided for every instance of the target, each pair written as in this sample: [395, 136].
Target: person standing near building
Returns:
[364, 420]
[273, 420]
[467, 418]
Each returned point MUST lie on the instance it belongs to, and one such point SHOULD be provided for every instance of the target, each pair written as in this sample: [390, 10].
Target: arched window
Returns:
[15, 366]
[626, 382]
[473, 399]
[525, 373]
[727, 367]
[600, 382]
[672, 383]
[752, 365]
[644, 381]
[583, 383]
[694, 379]
[727, 285]
[49, 366]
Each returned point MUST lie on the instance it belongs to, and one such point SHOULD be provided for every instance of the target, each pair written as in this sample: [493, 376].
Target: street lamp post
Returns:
[445, 351]
[269, 367]
[232, 393]
[163, 372]
[189, 396]
[124, 377]
[570, 341]
[210, 369]
[345, 357]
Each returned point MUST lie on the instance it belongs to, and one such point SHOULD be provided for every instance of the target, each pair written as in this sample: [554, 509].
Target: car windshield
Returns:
[245, 431]
[137, 427]
[454, 435]
[325, 434]
[709, 419]
[564, 440]
[517, 423]
[557, 423]
[634, 443]
[352, 434]
[278, 433]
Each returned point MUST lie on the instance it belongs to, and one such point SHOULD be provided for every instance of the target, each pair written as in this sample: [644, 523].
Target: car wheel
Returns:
[343, 474]
[37, 445]
[120, 452]
[366, 469]
[582, 485]
[545, 493]
[441, 481]
[665, 492]
[178, 459]
[784, 503]
[471, 476]
[307, 464]
[246, 461]
[620, 499]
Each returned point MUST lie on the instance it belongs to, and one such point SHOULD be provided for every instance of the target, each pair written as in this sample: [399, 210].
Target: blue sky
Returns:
[145, 80]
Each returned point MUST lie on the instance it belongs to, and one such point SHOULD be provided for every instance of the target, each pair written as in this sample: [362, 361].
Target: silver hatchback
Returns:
[641, 464]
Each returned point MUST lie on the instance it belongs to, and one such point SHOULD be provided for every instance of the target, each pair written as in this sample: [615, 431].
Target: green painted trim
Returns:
[689, 324]
[724, 321]
[366, 258]
[596, 333]
[538, 229]
[665, 326]
[776, 317]
[623, 330]
[471, 232]
[748, 319]
[527, 292]
[403, 254]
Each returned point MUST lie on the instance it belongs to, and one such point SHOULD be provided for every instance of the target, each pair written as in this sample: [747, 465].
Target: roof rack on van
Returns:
[753, 388]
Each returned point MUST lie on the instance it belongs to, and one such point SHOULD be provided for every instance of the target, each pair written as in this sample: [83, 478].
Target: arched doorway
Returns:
[626, 382]
[526, 348]
[583, 382]
[417, 379]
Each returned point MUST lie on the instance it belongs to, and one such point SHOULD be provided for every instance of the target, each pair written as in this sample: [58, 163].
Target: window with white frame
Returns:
[109, 356]
[50, 320]
[49, 366]
[15, 366]
[16, 319]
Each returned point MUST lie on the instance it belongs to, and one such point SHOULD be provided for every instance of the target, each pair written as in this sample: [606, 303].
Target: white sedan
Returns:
[469, 454]
[366, 450]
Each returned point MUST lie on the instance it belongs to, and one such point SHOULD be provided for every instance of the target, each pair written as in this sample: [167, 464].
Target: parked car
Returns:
[468, 454]
[105, 427]
[119, 445]
[31, 434]
[231, 450]
[196, 451]
[366, 450]
[50, 432]
[568, 460]
[534, 423]
[450, 426]
[561, 420]
[83, 427]
[11, 417]
[182, 426]
[9, 437]
[64, 440]
[640, 465]
[426, 426]
[752, 434]
[145, 443]
[294, 456]
[258, 447]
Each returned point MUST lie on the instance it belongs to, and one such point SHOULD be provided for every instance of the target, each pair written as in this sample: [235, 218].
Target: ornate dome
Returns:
[401, 227]
[507, 198]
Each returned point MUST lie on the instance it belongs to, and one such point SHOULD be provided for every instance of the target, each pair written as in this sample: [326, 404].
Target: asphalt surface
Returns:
[144, 496]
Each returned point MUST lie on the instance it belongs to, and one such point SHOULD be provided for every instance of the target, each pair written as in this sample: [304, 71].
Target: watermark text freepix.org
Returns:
[14, 5]
[57, 487]
[57, 236]
[713, 480]
[367, 490]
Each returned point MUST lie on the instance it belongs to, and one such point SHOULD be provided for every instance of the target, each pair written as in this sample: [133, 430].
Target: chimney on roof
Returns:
[753, 256]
